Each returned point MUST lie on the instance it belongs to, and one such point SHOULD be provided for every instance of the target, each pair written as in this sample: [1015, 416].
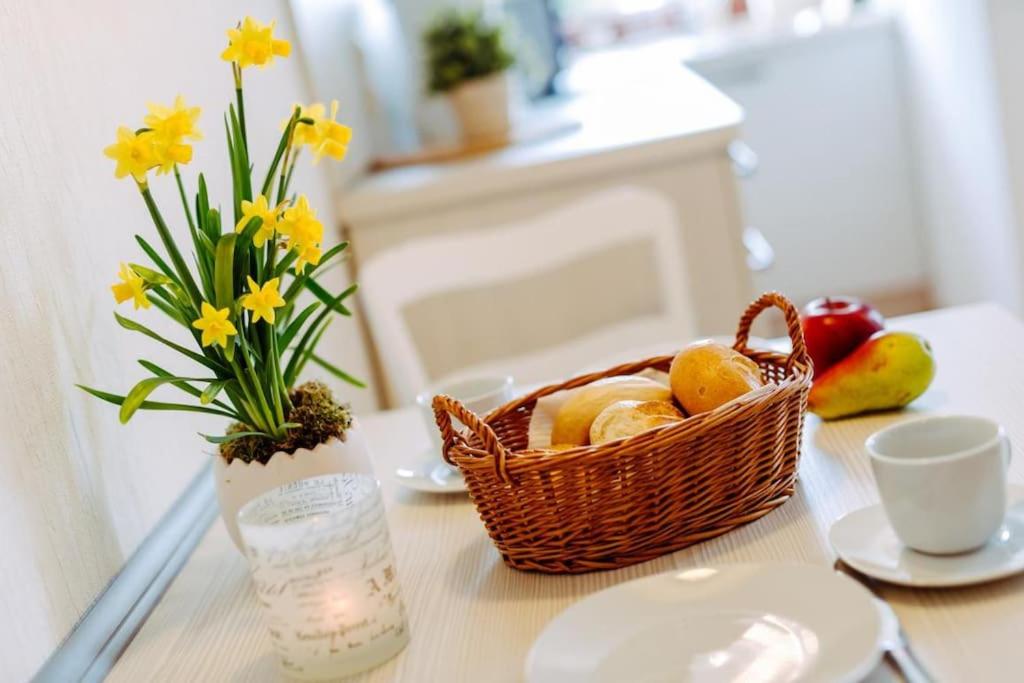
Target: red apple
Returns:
[834, 326]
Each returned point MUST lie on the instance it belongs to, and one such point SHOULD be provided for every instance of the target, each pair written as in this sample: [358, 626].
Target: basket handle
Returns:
[444, 408]
[796, 333]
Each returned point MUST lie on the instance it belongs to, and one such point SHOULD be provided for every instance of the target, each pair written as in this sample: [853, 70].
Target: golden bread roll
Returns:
[573, 420]
[706, 374]
[626, 418]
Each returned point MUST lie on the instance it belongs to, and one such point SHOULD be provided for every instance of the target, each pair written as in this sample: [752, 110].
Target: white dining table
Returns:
[474, 619]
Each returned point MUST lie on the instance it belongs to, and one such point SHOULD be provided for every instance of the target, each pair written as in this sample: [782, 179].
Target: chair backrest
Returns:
[537, 299]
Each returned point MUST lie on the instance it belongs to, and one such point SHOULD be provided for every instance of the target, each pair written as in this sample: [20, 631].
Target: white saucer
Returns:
[429, 474]
[764, 622]
[864, 540]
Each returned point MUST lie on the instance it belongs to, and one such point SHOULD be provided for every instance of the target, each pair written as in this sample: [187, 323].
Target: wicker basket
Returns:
[631, 500]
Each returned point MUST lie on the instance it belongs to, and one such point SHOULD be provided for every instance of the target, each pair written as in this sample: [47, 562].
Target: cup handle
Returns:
[1007, 450]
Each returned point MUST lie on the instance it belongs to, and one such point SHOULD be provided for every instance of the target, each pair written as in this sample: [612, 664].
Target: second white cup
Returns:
[942, 480]
[479, 394]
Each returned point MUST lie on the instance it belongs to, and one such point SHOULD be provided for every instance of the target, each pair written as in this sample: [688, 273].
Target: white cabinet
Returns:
[834, 192]
[672, 140]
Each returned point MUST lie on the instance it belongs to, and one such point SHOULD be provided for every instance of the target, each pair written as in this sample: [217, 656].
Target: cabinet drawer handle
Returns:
[745, 161]
[760, 255]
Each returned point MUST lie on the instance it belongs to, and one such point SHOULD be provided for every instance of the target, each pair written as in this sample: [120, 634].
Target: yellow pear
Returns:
[887, 371]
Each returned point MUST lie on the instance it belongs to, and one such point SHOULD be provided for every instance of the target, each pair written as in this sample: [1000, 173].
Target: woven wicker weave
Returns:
[631, 500]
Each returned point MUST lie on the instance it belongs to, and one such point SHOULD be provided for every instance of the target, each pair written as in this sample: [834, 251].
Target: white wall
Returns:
[1006, 24]
[78, 490]
[961, 157]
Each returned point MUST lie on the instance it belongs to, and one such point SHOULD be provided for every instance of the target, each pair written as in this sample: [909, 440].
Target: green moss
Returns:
[314, 408]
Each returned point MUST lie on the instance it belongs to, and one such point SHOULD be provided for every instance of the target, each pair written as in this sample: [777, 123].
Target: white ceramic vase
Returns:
[239, 482]
[482, 107]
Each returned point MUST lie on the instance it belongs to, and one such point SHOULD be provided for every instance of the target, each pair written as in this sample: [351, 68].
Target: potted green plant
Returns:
[248, 306]
[467, 59]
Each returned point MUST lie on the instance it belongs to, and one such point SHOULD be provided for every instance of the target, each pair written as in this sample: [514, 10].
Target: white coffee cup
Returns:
[479, 394]
[942, 480]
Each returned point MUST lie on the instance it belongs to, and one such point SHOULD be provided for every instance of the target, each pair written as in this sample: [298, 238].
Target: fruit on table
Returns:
[887, 371]
[834, 326]
[573, 419]
[707, 374]
[627, 418]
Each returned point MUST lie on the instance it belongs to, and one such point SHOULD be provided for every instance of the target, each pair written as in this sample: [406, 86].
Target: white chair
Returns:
[538, 299]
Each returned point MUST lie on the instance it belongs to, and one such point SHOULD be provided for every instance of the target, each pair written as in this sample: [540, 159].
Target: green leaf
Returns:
[199, 358]
[168, 306]
[303, 357]
[282, 267]
[212, 389]
[202, 204]
[294, 327]
[224, 271]
[336, 371]
[331, 253]
[236, 183]
[180, 267]
[150, 276]
[308, 342]
[296, 361]
[156, 405]
[333, 303]
[234, 436]
[155, 258]
[138, 394]
[299, 279]
[213, 229]
[237, 148]
[245, 237]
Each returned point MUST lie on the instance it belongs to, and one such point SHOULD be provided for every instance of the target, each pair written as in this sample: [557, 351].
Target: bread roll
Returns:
[706, 374]
[626, 418]
[573, 420]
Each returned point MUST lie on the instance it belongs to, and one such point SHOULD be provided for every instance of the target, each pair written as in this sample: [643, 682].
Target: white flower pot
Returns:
[482, 108]
[239, 482]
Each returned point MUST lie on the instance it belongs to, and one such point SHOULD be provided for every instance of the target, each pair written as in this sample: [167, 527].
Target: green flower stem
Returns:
[281, 184]
[291, 169]
[184, 200]
[258, 418]
[180, 267]
[241, 105]
[238, 398]
[281, 388]
[272, 425]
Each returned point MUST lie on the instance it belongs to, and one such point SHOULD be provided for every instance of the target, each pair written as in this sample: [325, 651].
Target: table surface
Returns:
[474, 619]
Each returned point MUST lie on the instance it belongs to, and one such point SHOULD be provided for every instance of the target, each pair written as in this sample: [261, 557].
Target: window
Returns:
[597, 23]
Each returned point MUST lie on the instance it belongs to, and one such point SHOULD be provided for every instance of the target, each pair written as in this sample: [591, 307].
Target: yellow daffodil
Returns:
[304, 232]
[308, 253]
[262, 302]
[331, 137]
[171, 127]
[300, 224]
[305, 133]
[131, 287]
[260, 209]
[133, 153]
[253, 44]
[215, 325]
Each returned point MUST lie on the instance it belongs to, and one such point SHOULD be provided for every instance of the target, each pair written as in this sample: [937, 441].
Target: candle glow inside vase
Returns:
[323, 567]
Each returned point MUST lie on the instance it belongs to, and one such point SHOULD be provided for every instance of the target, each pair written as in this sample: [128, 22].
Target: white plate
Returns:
[429, 474]
[743, 622]
[864, 540]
